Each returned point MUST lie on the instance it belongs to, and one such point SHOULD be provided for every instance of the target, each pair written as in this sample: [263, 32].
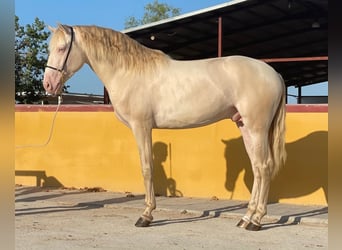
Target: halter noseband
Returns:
[67, 56]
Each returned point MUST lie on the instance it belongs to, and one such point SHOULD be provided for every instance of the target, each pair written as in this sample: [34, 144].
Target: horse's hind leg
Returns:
[253, 200]
[256, 143]
[143, 136]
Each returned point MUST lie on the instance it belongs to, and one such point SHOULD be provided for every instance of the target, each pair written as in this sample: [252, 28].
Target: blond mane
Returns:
[119, 49]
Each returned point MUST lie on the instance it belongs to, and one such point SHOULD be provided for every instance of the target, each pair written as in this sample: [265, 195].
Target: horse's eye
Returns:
[61, 50]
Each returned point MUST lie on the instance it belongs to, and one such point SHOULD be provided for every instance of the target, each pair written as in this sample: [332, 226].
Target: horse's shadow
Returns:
[284, 221]
[305, 170]
[297, 218]
[206, 214]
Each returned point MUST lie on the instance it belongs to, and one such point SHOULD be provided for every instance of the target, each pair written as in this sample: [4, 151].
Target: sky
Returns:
[110, 14]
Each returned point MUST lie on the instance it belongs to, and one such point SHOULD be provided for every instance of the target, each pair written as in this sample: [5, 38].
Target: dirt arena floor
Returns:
[79, 219]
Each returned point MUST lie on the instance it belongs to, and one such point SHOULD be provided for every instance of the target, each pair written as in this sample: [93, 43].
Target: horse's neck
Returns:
[114, 75]
[102, 70]
[105, 71]
[122, 72]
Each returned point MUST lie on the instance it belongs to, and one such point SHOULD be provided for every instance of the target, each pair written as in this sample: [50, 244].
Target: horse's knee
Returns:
[146, 172]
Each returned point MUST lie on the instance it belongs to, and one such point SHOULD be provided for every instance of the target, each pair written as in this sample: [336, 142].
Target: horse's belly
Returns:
[194, 116]
[175, 123]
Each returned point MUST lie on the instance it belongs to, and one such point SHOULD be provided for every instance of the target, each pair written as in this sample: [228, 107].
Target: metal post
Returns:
[286, 92]
[299, 95]
[219, 38]
[105, 96]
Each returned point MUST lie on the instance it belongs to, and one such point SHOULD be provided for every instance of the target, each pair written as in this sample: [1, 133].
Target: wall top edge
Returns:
[290, 108]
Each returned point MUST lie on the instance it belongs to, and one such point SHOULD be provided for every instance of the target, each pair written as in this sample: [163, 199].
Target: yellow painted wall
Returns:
[93, 149]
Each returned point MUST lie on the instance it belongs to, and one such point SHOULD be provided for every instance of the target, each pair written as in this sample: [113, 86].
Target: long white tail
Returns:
[277, 136]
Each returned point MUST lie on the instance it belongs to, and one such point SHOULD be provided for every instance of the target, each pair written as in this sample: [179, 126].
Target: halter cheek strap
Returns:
[67, 56]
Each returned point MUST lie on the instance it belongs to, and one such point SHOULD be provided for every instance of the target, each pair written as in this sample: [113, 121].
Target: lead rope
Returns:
[51, 129]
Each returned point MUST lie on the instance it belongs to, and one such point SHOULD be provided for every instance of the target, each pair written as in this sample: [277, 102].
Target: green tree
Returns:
[31, 50]
[153, 12]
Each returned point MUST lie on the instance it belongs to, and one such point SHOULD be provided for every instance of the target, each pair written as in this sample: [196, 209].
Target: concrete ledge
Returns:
[298, 108]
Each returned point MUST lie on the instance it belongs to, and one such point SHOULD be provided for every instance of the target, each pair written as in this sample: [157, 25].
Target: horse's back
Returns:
[230, 74]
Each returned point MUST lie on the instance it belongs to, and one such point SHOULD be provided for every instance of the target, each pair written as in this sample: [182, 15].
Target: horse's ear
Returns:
[52, 29]
[64, 28]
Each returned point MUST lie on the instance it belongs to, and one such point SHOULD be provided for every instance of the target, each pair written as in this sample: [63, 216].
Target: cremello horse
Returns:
[150, 90]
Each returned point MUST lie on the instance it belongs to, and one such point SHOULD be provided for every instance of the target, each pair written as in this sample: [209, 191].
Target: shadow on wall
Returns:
[305, 171]
[41, 179]
[161, 183]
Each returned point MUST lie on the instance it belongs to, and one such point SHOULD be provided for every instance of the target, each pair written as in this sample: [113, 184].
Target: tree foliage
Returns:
[153, 12]
[31, 52]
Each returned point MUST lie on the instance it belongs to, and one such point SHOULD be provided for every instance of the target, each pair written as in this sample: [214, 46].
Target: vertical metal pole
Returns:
[105, 96]
[299, 95]
[286, 92]
[219, 38]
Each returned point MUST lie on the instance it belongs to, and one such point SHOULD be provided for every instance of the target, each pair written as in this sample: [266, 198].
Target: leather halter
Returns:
[67, 56]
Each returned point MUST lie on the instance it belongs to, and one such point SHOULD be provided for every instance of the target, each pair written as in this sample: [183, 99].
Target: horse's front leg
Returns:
[143, 136]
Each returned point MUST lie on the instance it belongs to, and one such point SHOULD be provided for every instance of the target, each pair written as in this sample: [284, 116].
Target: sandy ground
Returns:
[61, 224]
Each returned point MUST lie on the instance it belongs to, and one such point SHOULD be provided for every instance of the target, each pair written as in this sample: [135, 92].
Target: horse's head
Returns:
[65, 58]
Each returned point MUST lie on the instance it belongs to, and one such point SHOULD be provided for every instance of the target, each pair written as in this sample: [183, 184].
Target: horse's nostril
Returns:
[47, 86]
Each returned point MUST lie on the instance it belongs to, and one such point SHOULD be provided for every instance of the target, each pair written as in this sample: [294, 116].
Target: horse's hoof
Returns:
[142, 222]
[242, 223]
[253, 227]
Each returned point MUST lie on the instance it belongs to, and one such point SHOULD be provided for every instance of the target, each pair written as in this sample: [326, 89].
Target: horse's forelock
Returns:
[57, 35]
